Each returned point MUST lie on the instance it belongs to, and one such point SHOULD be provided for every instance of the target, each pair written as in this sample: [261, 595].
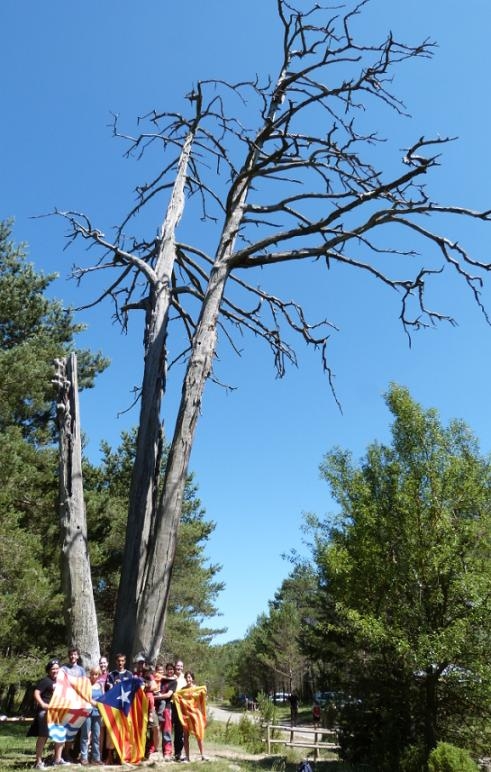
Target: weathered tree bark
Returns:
[145, 479]
[152, 607]
[150, 622]
[79, 607]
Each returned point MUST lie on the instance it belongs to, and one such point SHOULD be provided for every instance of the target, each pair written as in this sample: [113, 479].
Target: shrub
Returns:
[246, 733]
[449, 758]
[413, 759]
[266, 708]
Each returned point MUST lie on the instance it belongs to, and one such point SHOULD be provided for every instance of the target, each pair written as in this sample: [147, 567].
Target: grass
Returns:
[227, 752]
[16, 750]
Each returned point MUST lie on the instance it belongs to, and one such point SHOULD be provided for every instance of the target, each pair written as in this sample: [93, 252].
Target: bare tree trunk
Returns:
[145, 478]
[79, 607]
[156, 578]
[154, 600]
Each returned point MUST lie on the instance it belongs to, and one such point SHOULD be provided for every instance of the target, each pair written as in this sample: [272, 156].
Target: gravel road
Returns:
[219, 714]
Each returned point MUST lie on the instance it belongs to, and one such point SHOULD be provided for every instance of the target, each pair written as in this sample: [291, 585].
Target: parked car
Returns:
[279, 698]
[335, 699]
[246, 702]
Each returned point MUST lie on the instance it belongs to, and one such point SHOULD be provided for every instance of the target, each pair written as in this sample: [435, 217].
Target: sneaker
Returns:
[205, 758]
[60, 763]
[185, 760]
[84, 762]
[39, 765]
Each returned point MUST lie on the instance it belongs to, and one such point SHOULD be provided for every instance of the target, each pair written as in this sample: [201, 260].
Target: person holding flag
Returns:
[190, 703]
[124, 710]
[43, 693]
[91, 729]
[69, 707]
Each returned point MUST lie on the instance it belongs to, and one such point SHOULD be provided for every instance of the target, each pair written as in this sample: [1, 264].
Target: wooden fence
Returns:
[303, 737]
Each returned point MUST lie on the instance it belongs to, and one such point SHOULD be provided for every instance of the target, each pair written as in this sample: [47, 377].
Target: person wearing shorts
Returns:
[39, 728]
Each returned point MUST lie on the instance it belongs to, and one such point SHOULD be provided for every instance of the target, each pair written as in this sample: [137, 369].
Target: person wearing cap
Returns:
[139, 666]
[39, 728]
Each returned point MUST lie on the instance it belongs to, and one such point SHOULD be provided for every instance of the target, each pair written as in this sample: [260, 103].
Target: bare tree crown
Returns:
[286, 171]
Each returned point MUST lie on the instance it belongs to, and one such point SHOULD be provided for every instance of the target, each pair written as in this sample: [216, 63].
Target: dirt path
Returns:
[224, 716]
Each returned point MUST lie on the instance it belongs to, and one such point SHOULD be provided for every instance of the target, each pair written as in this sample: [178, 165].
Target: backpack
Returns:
[304, 766]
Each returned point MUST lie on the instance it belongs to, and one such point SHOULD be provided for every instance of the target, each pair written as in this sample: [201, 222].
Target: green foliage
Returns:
[246, 733]
[413, 759]
[271, 658]
[194, 586]
[405, 578]
[449, 758]
[34, 331]
[266, 708]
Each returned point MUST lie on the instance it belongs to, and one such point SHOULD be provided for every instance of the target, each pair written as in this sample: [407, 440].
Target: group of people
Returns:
[168, 732]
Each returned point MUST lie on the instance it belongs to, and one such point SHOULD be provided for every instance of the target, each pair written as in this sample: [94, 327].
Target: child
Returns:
[159, 674]
[92, 725]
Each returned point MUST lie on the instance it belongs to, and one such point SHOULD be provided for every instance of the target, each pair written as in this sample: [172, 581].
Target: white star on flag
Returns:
[124, 696]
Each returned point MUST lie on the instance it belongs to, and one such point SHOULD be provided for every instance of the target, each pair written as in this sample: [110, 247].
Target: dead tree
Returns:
[79, 608]
[284, 170]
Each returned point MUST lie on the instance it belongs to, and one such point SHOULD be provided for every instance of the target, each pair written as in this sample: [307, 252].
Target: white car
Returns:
[279, 698]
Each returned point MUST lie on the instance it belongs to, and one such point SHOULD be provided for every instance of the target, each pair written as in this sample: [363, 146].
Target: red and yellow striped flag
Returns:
[69, 706]
[124, 710]
[191, 708]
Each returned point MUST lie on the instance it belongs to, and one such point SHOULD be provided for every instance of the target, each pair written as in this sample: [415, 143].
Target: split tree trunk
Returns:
[146, 469]
[154, 585]
[160, 560]
[79, 608]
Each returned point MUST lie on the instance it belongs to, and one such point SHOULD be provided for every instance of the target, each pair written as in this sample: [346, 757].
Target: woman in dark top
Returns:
[163, 701]
[39, 727]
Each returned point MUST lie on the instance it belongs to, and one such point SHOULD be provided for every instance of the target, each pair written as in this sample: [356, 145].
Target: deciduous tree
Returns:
[406, 567]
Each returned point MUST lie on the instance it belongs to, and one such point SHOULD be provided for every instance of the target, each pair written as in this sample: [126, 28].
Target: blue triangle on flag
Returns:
[121, 695]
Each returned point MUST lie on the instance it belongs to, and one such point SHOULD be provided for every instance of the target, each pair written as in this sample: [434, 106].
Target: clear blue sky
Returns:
[65, 67]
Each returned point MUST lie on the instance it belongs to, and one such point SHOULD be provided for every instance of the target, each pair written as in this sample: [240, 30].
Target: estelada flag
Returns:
[190, 703]
[69, 706]
[124, 710]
